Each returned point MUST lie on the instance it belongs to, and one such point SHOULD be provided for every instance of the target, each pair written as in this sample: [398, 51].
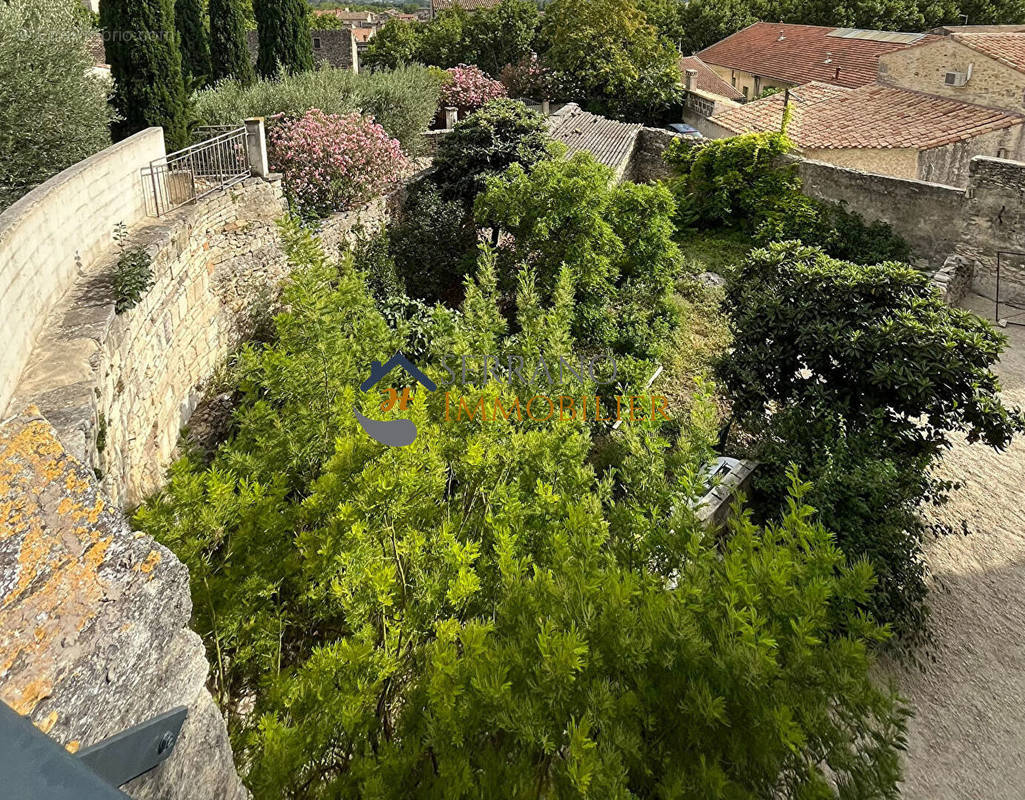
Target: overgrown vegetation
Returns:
[482, 613]
[53, 113]
[402, 101]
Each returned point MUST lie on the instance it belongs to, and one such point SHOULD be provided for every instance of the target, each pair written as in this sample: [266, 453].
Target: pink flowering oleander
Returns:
[470, 88]
[334, 162]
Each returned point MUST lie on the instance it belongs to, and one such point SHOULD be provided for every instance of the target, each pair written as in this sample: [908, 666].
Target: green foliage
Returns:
[392, 46]
[615, 239]
[482, 614]
[402, 101]
[195, 43]
[53, 113]
[609, 57]
[370, 253]
[735, 181]
[145, 62]
[484, 144]
[133, 273]
[502, 34]
[284, 34]
[433, 244]
[841, 233]
[228, 44]
[442, 42]
[859, 375]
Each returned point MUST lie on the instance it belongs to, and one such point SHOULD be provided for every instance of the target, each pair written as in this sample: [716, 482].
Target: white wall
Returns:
[60, 224]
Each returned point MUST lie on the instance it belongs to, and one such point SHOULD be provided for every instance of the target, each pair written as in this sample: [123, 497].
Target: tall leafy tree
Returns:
[284, 33]
[610, 56]
[503, 34]
[396, 43]
[229, 49]
[195, 43]
[146, 63]
[53, 113]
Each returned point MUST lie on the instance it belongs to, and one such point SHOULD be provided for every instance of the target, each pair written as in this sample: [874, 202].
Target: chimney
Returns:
[836, 75]
[691, 79]
[546, 108]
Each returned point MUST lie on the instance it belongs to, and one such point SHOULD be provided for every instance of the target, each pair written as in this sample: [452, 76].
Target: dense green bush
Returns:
[53, 113]
[502, 133]
[743, 183]
[394, 45]
[402, 101]
[482, 615]
[434, 244]
[860, 375]
[615, 238]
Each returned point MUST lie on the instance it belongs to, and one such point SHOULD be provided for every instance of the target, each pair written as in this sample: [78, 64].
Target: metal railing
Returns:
[188, 175]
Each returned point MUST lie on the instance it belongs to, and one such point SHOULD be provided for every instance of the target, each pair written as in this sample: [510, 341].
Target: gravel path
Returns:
[967, 739]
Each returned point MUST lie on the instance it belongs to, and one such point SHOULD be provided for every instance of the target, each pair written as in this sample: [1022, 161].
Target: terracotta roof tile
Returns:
[1006, 47]
[708, 80]
[798, 54]
[874, 116]
[609, 141]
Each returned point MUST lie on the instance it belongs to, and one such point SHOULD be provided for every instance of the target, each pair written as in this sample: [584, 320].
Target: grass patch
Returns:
[714, 251]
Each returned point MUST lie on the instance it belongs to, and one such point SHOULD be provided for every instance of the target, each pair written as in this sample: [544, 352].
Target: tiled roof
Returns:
[1006, 47]
[708, 80]
[346, 15]
[609, 141]
[798, 54]
[470, 5]
[874, 116]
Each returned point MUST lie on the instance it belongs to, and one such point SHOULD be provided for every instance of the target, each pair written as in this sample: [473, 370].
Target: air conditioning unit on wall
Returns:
[958, 78]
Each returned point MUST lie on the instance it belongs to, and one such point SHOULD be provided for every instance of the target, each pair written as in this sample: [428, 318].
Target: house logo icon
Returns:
[393, 432]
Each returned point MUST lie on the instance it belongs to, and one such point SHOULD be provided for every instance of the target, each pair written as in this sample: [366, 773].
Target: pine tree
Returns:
[284, 35]
[229, 49]
[195, 44]
[146, 64]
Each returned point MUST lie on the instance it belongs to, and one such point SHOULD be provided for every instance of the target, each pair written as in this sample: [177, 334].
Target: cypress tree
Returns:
[195, 44]
[146, 64]
[228, 44]
[284, 32]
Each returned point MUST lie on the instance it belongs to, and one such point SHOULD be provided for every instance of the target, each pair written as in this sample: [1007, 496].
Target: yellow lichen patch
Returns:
[29, 696]
[151, 561]
[75, 484]
[65, 506]
[72, 746]
[46, 724]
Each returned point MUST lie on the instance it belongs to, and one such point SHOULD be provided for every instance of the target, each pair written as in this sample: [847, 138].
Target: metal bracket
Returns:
[131, 753]
[32, 765]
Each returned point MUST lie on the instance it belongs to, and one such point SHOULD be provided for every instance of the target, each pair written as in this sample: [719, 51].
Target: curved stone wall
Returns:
[58, 228]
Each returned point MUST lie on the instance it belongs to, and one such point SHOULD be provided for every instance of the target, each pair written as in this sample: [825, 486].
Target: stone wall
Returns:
[994, 219]
[94, 618]
[58, 228]
[646, 163]
[119, 387]
[930, 216]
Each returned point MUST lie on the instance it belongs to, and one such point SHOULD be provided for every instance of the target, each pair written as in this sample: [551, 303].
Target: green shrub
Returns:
[402, 101]
[434, 244]
[55, 113]
[860, 375]
[481, 614]
[133, 274]
[502, 133]
[370, 252]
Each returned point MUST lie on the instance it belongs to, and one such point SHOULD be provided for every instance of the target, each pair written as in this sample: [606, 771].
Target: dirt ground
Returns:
[967, 738]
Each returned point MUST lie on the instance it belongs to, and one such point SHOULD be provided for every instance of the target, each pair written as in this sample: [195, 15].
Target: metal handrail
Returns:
[194, 172]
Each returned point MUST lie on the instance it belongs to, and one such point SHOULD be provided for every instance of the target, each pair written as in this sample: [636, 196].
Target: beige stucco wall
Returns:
[747, 82]
[923, 69]
[55, 229]
[950, 164]
[898, 163]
